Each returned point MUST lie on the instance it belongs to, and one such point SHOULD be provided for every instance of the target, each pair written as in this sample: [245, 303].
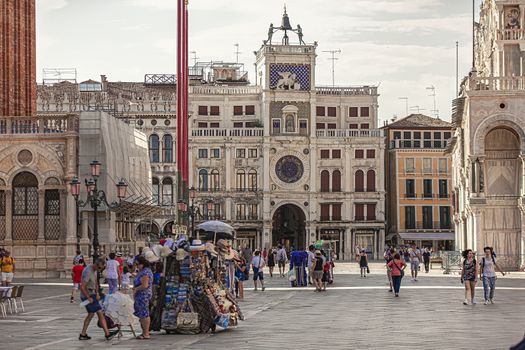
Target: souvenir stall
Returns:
[195, 293]
[298, 263]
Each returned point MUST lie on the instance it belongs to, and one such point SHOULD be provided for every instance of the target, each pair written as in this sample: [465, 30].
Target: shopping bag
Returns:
[291, 276]
[188, 320]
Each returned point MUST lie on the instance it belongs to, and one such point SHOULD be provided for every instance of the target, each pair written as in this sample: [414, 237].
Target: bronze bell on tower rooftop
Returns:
[285, 23]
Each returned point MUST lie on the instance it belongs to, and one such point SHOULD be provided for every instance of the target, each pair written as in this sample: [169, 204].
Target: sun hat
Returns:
[196, 242]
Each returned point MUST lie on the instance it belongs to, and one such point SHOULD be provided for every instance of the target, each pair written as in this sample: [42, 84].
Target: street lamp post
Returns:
[95, 198]
[193, 210]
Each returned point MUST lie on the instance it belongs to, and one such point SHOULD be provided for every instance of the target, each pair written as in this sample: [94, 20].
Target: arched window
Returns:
[240, 180]
[215, 184]
[359, 181]
[336, 181]
[252, 180]
[167, 191]
[167, 149]
[154, 149]
[290, 123]
[325, 181]
[203, 180]
[25, 207]
[371, 181]
[155, 190]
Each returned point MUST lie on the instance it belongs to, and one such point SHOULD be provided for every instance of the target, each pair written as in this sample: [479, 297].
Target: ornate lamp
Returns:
[193, 192]
[74, 187]
[181, 206]
[122, 187]
[95, 168]
[90, 186]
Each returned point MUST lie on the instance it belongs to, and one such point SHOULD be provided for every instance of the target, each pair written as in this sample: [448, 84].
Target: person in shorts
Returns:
[310, 263]
[90, 291]
[7, 268]
[415, 258]
[76, 274]
[317, 271]
[257, 267]
[282, 258]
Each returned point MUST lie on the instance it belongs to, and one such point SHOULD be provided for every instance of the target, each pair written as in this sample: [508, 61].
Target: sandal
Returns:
[142, 337]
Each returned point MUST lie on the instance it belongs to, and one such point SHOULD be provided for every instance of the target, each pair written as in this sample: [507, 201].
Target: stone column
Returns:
[476, 231]
[41, 214]
[522, 182]
[8, 217]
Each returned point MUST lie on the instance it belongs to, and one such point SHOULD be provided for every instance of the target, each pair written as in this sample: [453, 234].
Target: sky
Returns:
[404, 46]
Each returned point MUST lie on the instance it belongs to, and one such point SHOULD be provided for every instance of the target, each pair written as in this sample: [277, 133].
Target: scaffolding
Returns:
[53, 76]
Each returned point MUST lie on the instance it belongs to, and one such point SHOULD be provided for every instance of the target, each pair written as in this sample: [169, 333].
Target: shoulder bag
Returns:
[188, 320]
[400, 270]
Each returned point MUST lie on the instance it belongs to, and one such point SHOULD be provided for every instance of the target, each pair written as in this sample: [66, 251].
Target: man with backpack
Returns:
[487, 274]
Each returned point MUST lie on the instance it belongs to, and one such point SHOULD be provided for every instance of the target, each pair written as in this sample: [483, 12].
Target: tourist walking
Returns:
[90, 292]
[487, 274]
[363, 263]
[317, 271]
[258, 264]
[426, 259]
[76, 275]
[271, 261]
[7, 268]
[389, 256]
[113, 273]
[469, 275]
[78, 257]
[310, 263]
[415, 258]
[142, 291]
[397, 268]
[282, 258]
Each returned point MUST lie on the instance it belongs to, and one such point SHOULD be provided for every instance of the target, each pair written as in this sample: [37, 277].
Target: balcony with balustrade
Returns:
[342, 133]
[223, 132]
[346, 90]
[38, 125]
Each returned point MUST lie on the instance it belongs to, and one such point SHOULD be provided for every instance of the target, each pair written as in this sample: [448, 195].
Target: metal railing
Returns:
[347, 133]
[453, 261]
[432, 225]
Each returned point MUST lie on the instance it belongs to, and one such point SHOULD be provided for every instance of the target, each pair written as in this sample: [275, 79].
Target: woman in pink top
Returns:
[397, 267]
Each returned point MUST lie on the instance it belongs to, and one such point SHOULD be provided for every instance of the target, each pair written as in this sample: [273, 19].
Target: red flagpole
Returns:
[185, 165]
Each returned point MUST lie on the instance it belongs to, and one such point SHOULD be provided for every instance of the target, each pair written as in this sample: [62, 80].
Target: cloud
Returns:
[51, 5]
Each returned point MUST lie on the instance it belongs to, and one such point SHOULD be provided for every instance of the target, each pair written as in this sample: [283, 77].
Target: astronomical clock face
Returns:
[289, 169]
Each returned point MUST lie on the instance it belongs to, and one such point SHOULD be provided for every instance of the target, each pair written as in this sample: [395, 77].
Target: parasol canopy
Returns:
[215, 226]
[119, 307]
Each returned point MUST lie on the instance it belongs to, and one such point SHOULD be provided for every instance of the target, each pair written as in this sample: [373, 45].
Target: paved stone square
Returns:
[355, 313]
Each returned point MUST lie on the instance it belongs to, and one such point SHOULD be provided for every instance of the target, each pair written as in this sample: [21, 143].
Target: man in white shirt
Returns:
[310, 263]
[113, 273]
[415, 258]
[282, 258]
[257, 266]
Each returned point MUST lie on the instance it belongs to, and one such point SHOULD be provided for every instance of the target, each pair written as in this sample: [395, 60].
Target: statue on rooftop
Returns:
[271, 30]
[300, 35]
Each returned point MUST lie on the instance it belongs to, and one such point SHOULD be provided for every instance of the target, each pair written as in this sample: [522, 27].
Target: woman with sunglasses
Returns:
[469, 276]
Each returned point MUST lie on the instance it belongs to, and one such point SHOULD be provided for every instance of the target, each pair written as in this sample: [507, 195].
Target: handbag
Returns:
[367, 269]
[188, 320]
[402, 271]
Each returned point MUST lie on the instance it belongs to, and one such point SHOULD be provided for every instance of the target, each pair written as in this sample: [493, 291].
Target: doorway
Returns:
[289, 227]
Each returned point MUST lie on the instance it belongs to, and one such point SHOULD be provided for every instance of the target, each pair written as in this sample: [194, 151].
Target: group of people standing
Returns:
[86, 278]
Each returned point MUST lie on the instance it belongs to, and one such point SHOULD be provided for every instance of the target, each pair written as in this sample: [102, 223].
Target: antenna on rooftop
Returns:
[417, 108]
[432, 88]
[195, 58]
[333, 59]
[237, 52]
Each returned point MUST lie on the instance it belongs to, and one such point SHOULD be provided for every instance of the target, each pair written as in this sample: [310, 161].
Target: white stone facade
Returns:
[488, 155]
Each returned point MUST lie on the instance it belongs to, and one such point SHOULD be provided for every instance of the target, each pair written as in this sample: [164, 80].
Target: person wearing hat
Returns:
[257, 265]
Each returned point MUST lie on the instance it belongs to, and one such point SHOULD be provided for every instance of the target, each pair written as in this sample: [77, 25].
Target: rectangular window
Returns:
[410, 188]
[370, 153]
[336, 153]
[331, 126]
[320, 111]
[359, 212]
[417, 135]
[336, 212]
[237, 110]
[325, 212]
[320, 126]
[444, 218]
[203, 153]
[407, 135]
[241, 211]
[359, 154]
[238, 125]
[249, 110]
[331, 111]
[427, 188]
[427, 135]
[353, 112]
[410, 217]
[443, 189]
[303, 127]
[214, 110]
[253, 211]
[214, 125]
[353, 126]
[203, 125]
[443, 165]
[325, 154]
[397, 135]
[203, 110]
[371, 212]
[365, 126]
[252, 124]
[276, 126]
[365, 112]
[240, 153]
[427, 165]
[252, 153]
[427, 217]
[447, 135]
[410, 166]
[215, 153]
